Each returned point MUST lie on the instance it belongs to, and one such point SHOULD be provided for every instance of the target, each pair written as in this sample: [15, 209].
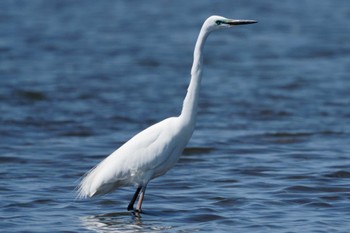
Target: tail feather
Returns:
[84, 187]
[95, 183]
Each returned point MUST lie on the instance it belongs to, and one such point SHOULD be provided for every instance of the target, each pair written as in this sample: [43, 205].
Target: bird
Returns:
[152, 152]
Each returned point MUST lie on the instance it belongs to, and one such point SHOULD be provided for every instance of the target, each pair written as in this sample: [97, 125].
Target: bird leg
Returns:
[131, 204]
[139, 204]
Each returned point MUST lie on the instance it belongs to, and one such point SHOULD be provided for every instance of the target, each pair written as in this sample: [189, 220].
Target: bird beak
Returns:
[234, 22]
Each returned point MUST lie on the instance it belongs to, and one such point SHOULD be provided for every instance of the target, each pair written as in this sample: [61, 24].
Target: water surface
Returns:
[272, 144]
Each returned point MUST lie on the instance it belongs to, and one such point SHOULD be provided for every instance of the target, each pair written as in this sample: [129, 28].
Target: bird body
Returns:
[149, 154]
[153, 151]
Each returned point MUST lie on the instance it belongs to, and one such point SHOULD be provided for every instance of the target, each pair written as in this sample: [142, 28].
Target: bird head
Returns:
[218, 22]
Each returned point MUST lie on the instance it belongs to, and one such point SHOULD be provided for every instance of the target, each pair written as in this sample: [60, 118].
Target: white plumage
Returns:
[152, 152]
[128, 165]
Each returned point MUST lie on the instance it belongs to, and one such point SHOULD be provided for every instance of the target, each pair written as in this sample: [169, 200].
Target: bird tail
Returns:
[93, 183]
[84, 189]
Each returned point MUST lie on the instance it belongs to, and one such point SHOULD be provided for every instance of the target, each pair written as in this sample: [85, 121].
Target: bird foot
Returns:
[137, 213]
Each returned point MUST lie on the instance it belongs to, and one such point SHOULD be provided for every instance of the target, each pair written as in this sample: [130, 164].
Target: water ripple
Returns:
[271, 149]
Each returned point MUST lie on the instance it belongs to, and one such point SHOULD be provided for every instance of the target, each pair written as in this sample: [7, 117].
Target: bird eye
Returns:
[218, 22]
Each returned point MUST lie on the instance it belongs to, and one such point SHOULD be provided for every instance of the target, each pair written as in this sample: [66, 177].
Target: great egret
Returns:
[152, 152]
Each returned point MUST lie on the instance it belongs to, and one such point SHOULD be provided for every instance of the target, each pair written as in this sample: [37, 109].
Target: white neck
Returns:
[189, 108]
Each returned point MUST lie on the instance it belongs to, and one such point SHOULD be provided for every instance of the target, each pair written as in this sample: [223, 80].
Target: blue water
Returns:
[271, 150]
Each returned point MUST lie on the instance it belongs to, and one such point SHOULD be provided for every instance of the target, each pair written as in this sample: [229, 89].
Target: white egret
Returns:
[152, 152]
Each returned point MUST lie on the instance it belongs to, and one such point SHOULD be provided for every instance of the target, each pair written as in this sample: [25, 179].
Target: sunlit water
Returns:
[272, 145]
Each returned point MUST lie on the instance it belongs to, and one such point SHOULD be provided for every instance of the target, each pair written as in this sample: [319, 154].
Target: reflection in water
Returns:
[120, 222]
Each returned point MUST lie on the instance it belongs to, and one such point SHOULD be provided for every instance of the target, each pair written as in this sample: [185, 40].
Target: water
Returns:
[271, 149]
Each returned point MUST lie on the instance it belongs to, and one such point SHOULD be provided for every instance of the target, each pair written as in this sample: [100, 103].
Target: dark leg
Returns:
[142, 195]
[131, 204]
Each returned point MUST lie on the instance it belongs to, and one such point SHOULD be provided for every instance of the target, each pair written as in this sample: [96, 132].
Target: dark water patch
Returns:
[190, 160]
[272, 113]
[294, 85]
[316, 189]
[256, 171]
[44, 201]
[124, 119]
[197, 150]
[12, 159]
[301, 188]
[108, 202]
[224, 202]
[332, 133]
[303, 155]
[332, 198]
[319, 205]
[20, 205]
[302, 134]
[300, 177]
[299, 201]
[5, 189]
[32, 204]
[81, 133]
[330, 189]
[149, 63]
[204, 218]
[96, 157]
[30, 95]
[339, 174]
[288, 137]
[227, 180]
[292, 134]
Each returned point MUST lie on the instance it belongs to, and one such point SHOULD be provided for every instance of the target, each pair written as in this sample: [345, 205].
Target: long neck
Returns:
[189, 108]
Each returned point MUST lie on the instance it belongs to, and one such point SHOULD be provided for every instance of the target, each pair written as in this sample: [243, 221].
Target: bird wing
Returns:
[135, 162]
